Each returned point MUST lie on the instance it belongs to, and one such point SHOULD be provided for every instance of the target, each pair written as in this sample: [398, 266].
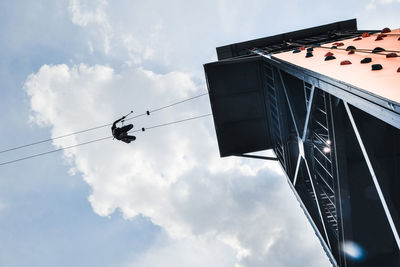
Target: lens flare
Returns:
[353, 250]
[326, 149]
[328, 142]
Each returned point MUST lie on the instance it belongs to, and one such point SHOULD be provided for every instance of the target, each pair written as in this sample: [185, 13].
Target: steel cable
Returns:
[100, 139]
[98, 127]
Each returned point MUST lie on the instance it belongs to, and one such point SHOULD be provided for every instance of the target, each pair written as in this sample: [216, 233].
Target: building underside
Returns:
[339, 145]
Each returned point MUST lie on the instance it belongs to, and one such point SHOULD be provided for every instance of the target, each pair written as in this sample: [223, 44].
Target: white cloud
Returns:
[82, 15]
[91, 49]
[171, 175]
[196, 252]
[164, 35]
[373, 3]
[85, 13]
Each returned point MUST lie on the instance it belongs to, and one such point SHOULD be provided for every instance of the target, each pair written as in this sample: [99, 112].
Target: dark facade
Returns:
[339, 145]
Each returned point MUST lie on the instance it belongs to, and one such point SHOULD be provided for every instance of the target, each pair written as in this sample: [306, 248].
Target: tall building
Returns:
[326, 100]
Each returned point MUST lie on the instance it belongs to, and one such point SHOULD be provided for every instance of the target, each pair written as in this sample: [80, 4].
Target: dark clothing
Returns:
[121, 133]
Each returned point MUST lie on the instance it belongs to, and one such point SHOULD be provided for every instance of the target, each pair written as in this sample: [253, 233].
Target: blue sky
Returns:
[71, 65]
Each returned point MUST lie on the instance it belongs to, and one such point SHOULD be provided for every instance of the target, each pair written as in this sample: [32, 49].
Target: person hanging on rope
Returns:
[121, 133]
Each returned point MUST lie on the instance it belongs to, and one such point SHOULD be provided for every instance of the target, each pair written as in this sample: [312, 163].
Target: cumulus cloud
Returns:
[171, 175]
[196, 252]
[231, 210]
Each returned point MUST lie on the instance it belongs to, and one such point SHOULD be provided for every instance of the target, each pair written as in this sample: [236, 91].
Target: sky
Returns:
[167, 199]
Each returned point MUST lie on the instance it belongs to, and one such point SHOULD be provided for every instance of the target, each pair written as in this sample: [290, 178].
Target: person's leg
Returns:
[126, 140]
[131, 137]
[126, 128]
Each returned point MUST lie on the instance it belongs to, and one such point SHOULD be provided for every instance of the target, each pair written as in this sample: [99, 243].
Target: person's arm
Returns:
[115, 123]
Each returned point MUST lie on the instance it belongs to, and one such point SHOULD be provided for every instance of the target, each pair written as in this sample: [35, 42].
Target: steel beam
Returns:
[374, 178]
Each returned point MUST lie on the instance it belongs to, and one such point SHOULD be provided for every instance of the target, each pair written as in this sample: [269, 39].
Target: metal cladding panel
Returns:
[237, 97]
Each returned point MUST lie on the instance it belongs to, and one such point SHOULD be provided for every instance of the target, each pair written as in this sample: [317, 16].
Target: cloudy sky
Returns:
[167, 199]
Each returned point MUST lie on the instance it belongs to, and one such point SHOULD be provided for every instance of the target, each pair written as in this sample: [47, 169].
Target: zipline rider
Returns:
[121, 133]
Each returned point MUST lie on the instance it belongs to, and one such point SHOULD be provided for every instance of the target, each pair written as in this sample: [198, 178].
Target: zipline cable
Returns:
[167, 106]
[101, 126]
[50, 139]
[179, 102]
[174, 122]
[53, 151]
[101, 139]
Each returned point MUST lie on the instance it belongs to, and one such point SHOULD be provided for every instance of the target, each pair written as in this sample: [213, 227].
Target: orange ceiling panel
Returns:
[347, 67]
